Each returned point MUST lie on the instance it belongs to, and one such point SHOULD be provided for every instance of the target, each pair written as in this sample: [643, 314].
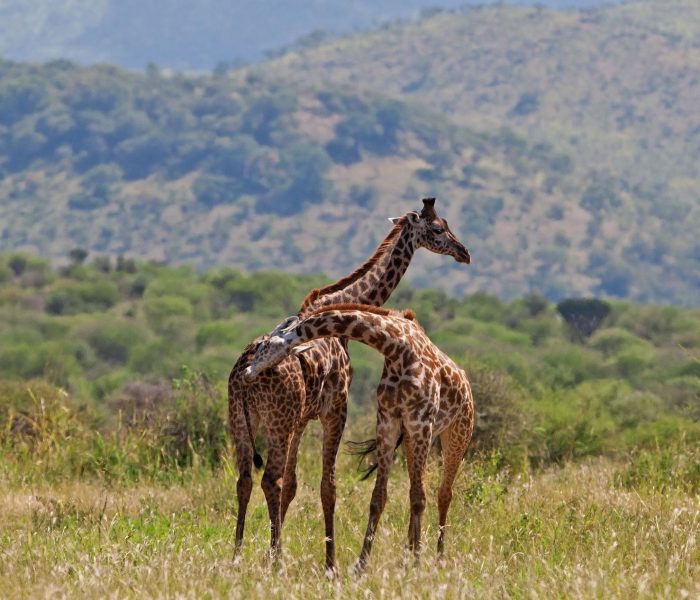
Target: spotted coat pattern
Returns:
[314, 385]
[422, 393]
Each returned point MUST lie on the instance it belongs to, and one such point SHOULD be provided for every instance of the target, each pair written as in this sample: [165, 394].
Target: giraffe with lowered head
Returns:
[422, 393]
[314, 385]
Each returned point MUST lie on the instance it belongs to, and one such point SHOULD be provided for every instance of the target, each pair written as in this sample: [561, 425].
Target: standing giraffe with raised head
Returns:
[422, 393]
[315, 385]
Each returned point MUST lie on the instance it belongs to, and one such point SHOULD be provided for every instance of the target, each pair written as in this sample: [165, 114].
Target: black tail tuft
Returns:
[257, 461]
[366, 473]
[363, 449]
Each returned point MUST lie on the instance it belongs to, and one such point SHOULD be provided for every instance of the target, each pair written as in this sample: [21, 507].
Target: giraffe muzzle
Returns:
[464, 257]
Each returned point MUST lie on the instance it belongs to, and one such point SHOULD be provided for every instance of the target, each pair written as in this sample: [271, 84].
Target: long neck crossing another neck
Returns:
[371, 329]
[374, 281]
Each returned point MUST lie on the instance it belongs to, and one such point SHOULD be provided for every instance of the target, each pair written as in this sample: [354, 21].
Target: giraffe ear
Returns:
[284, 326]
[302, 348]
[394, 220]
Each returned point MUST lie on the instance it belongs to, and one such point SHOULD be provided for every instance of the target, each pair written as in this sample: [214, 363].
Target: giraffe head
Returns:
[273, 348]
[433, 233]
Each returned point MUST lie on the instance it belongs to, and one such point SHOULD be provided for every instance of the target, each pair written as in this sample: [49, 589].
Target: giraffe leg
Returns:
[454, 441]
[289, 482]
[244, 487]
[333, 426]
[388, 430]
[418, 442]
[272, 487]
[244, 461]
[408, 452]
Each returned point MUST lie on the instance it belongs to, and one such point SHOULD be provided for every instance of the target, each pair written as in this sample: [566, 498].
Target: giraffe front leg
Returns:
[388, 430]
[333, 427]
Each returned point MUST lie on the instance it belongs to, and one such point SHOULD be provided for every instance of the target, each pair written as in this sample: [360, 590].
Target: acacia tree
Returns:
[583, 315]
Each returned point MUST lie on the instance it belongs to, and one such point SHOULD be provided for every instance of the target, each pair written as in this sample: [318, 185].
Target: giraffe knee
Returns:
[376, 506]
[445, 496]
[245, 482]
[418, 506]
[270, 483]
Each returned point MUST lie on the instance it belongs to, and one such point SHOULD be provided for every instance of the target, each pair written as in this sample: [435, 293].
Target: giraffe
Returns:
[422, 393]
[315, 385]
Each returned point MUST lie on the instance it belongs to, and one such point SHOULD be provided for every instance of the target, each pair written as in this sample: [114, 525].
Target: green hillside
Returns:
[617, 87]
[286, 166]
[210, 170]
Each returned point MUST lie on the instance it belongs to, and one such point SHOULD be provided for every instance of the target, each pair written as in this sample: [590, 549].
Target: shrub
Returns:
[217, 333]
[113, 340]
[501, 423]
[70, 299]
[158, 310]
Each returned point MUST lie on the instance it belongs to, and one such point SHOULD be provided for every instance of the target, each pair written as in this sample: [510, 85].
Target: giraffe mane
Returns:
[377, 310]
[316, 293]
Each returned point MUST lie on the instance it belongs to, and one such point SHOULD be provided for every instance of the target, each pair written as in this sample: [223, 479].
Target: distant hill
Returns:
[249, 170]
[616, 90]
[197, 34]
[620, 84]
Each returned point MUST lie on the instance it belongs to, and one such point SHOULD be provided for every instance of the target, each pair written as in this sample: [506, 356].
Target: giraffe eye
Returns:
[438, 231]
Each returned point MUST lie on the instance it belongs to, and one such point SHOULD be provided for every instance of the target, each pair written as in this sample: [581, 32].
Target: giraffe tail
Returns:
[364, 449]
[257, 459]
[238, 410]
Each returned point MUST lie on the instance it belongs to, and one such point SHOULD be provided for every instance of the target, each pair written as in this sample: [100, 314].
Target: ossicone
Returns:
[428, 207]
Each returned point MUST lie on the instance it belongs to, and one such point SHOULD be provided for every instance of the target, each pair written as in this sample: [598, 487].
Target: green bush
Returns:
[217, 333]
[502, 424]
[113, 340]
[158, 310]
[71, 299]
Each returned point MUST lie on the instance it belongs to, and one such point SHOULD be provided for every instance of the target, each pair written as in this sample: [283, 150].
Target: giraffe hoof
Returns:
[331, 572]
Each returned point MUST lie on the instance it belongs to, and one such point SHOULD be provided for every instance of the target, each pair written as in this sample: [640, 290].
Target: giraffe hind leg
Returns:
[244, 462]
[455, 440]
[333, 427]
[272, 487]
[388, 431]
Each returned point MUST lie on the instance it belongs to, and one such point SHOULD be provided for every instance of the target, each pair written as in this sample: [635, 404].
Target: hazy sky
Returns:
[193, 33]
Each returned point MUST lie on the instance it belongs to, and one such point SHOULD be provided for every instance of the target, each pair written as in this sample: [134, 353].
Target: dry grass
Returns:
[562, 533]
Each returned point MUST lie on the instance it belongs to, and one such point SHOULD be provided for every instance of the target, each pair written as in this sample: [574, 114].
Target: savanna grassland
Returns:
[578, 531]
[117, 474]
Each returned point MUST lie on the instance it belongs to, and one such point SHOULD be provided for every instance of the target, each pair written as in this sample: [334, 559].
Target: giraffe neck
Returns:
[374, 281]
[381, 332]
